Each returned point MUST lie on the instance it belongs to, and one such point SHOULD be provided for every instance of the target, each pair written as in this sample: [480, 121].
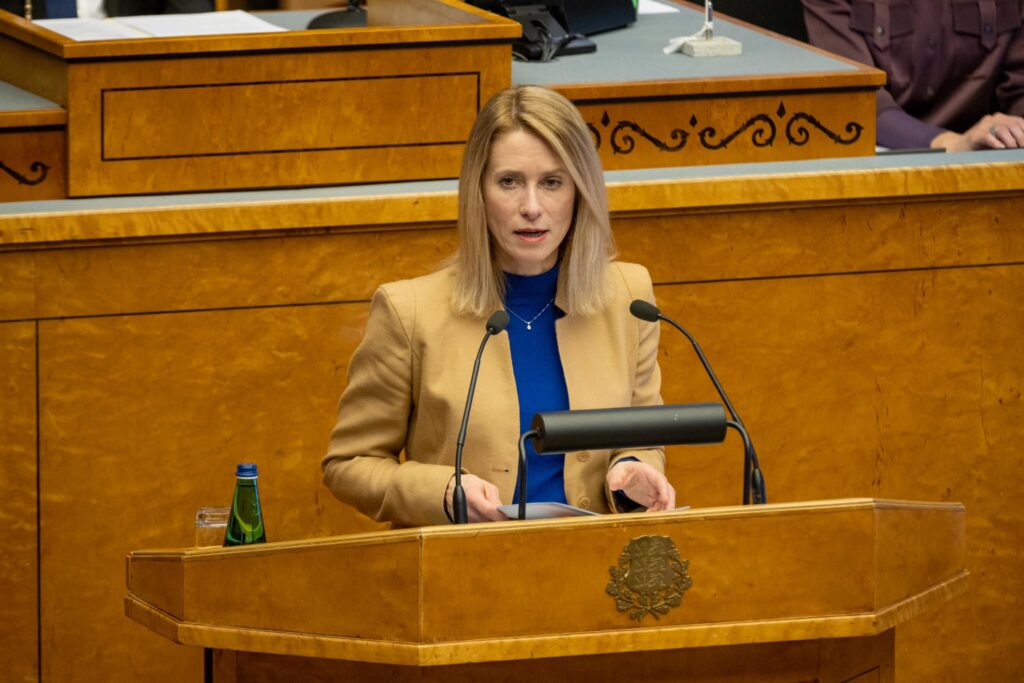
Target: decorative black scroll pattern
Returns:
[798, 134]
[763, 135]
[761, 129]
[37, 167]
[623, 142]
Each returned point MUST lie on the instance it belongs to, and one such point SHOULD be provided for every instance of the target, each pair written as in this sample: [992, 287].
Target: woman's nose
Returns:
[531, 207]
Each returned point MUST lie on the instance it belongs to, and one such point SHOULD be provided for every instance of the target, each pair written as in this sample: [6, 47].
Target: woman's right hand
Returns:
[482, 499]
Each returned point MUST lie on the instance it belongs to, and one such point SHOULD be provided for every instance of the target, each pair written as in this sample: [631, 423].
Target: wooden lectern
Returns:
[785, 592]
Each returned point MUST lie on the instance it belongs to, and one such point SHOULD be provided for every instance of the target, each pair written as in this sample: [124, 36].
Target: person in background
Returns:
[535, 239]
[955, 67]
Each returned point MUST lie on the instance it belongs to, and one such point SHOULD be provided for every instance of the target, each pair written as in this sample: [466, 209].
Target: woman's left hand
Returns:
[643, 484]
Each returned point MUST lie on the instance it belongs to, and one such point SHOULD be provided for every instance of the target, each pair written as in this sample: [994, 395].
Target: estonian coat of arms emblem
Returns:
[650, 577]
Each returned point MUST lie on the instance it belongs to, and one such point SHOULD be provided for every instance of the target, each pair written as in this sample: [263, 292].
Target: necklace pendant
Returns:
[529, 326]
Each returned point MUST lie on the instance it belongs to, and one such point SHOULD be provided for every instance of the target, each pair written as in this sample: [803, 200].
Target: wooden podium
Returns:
[784, 592]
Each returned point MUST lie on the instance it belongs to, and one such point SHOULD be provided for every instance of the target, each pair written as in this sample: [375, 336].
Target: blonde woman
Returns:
[534, 239]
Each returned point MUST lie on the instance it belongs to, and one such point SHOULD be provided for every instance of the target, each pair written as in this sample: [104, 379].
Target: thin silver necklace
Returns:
[531, 321]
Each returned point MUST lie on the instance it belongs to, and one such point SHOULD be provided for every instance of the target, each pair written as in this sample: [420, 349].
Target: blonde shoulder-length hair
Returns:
[588, 246]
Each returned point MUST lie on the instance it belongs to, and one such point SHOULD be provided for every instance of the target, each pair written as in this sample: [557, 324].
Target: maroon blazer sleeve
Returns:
[1010, 91]
[828, 27]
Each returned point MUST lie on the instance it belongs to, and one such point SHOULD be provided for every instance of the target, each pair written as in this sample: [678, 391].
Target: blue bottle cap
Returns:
[246, 470]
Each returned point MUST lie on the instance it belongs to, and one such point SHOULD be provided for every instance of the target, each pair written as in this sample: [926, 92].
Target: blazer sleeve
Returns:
[363, 466]
[647, 375]
[1010, 90]
[828, 27]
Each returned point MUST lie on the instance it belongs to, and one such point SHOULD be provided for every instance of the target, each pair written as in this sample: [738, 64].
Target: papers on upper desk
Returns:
[160, 26]
[553, 511]
[652, 7]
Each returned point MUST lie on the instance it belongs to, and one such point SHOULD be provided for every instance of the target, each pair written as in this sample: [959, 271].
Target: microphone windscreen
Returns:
[497, 323]
[634, 427]
[644, 310]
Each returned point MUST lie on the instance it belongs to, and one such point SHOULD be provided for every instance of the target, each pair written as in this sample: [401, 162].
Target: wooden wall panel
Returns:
[880, 368]
[143, 419]
[19, 625]
[357, 113]
[255, 130]
[872, 348]
[823, 237]
[897, 377]
[218, 274]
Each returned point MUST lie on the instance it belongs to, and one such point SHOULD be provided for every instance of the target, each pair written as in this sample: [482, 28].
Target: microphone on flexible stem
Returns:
[496, 324]
[610, 428]
[751, 468]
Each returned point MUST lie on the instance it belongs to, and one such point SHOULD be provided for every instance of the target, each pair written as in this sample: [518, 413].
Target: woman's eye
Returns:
[507, 181]
[552, 183]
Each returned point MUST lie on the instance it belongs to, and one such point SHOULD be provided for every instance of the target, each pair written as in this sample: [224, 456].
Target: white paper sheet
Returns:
[160, 26]
[652, 7]
[201, 24]
[546, 511]
[84, 30]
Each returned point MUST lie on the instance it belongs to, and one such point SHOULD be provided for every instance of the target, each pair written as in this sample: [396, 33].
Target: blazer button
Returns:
[584, 503]
[583, 456]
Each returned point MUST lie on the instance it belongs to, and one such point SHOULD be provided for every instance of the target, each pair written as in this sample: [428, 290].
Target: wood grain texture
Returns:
[688, 199]
[24, 31]
[275, 120]
[218, 274]
[285, 109]
[554, 603]
[453, 21]
[33, 117]
[356, 113]
[32, 63]
[18, 582]
[31, 163]
[771, 663]
[143, 453]
[870, 341]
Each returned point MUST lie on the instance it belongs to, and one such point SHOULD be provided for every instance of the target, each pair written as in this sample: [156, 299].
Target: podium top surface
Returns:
[389, 22]
[732, 575]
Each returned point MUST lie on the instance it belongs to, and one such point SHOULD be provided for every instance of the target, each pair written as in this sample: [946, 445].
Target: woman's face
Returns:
[528, 196]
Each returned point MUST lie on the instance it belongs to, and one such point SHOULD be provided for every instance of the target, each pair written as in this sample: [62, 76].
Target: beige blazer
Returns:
[407, 385]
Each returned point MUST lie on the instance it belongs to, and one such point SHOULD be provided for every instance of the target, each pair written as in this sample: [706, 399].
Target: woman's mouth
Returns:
[531, 234]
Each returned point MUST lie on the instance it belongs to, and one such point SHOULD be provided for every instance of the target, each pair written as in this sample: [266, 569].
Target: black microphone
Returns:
[496, 324]
[645, 310]
[632, 427]
[607, 428]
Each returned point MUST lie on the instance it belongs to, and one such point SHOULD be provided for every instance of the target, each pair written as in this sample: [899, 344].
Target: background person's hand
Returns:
[994, 131]
[643, 484]
[482, 499]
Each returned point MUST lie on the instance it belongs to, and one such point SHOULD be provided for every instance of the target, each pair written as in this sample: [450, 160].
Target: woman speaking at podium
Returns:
[535, 240]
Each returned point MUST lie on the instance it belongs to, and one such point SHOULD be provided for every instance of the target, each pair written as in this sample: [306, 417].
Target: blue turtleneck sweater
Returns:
[537, 366]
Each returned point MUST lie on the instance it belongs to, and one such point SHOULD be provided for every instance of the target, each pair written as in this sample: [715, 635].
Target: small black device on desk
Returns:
[558, 27]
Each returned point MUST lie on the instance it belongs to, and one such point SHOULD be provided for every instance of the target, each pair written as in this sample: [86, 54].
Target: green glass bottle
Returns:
[246, 523]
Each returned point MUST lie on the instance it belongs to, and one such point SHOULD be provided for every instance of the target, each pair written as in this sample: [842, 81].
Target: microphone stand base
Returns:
[719, 46]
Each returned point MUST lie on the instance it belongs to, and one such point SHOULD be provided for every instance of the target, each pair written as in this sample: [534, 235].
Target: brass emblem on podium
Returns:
[650, 577]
